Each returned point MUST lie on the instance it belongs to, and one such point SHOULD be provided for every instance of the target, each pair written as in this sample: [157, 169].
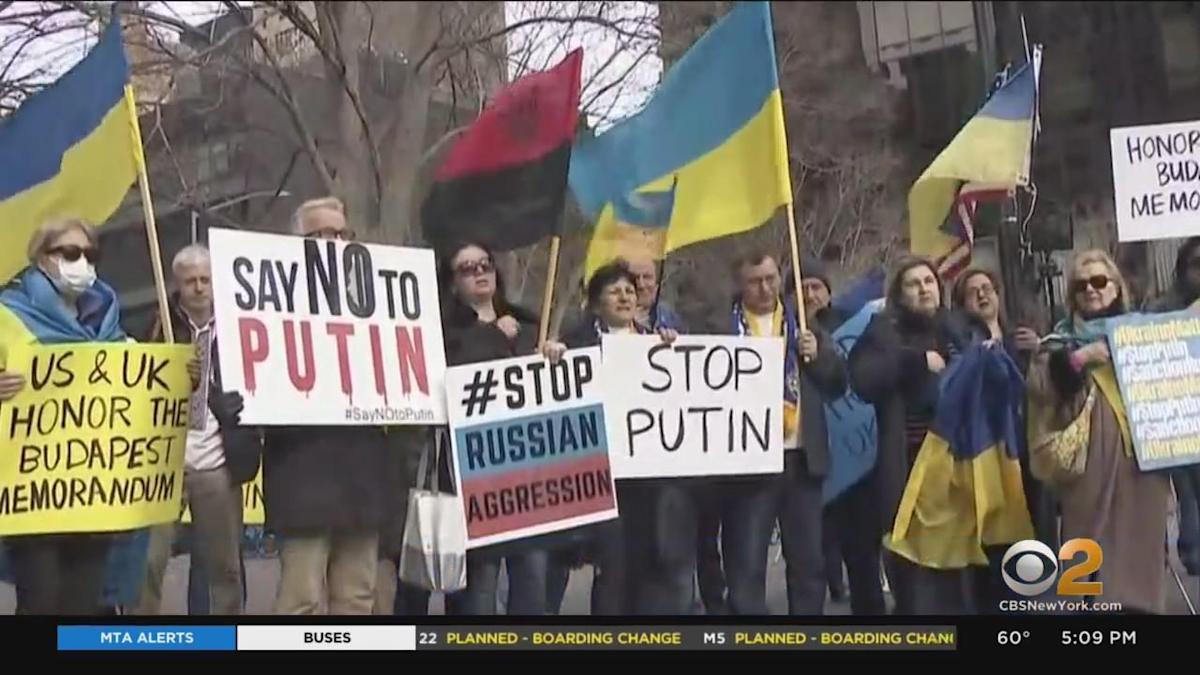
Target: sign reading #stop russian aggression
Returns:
[317, 332]
[530, 448]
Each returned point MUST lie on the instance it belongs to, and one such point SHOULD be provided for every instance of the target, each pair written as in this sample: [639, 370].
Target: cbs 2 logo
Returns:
[1030, 567]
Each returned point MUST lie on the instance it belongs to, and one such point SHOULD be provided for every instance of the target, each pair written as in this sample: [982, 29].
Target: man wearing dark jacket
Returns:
[846, 531]
[220, 455]
[814, 373]
[323, 489]
[1184, 294]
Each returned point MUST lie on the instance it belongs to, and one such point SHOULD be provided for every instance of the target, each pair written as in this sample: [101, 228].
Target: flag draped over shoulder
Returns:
[706, 157]
[965, 490]
[990, 155]
[69, 150]
[504, 182]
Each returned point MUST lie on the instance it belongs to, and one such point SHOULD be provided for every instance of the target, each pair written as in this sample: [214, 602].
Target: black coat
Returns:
[242, 445]
[821, 380]
[888, 369]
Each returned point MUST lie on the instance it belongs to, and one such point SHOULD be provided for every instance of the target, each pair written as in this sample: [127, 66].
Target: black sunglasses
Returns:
[474, 269]
[1098, 282]
[72, 253]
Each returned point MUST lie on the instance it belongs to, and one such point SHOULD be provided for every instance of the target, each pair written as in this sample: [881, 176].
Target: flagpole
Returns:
[801, 315]
[160, 284]
[548, 294]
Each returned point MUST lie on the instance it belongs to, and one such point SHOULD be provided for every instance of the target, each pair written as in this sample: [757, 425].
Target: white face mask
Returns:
[77, 276]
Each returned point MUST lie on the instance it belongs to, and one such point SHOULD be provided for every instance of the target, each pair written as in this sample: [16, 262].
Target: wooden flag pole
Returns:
[801, 316]
[548, 294]
[160, 282]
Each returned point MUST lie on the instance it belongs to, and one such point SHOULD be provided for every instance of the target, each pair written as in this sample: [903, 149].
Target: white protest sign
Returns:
[322, 332]
[702, 406]
[530, 446]
[1156, 180]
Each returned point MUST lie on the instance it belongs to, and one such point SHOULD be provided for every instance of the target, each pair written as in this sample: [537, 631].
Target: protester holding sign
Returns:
[1183, 295]
[813, 374]
[612, 307]
[323, 487]
[480, 324]
[58, 299]
[896, 366]
[1109, 499]
[220, 454]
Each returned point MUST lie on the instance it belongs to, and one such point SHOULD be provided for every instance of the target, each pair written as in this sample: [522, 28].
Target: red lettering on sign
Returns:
[254, 348]
[306, 381]
[412, 358]
[340, 332]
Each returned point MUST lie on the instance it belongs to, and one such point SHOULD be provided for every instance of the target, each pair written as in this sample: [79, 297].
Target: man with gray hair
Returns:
[220, 454]
[324, 489]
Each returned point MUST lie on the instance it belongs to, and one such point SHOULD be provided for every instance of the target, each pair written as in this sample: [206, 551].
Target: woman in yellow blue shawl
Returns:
[58, 299]
[1112, 502]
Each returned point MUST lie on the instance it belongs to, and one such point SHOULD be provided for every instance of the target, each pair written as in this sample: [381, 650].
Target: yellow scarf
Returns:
[791, 411]
[1106, 381]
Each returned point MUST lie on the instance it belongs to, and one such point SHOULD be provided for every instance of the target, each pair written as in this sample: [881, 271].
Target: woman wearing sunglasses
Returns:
[1111, 501]
[58, 299]
[480, 324]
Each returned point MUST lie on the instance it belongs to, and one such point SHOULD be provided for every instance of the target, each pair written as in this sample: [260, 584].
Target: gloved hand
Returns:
[227, 407]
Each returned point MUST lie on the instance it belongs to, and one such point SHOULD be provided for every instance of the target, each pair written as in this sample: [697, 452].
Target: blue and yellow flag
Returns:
[69, 151]
[706, 157]
[991, 149]
[965, 489]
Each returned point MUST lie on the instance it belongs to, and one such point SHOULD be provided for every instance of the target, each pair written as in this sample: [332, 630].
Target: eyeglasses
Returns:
[985, 289]
[333, 233]
[474, 268]
[72, 253]
[1098, 282]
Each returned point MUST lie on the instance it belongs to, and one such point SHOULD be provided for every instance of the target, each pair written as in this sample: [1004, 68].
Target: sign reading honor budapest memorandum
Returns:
[95, 440]
[530, 449]
[701, 406]
[1157, 361]
[1156, 180]
[320, 332]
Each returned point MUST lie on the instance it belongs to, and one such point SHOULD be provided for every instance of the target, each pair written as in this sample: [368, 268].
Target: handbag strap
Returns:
[425, 481]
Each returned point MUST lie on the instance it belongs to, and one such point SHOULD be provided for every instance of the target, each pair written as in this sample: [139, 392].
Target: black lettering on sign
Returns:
[99, 374]
[245, 297]
[287, 277]
[389, 285]
[360, 280]
[323, 272]
[513, 382]
[410, 296]
[268, 291]
[1147, 205]
[57, 367]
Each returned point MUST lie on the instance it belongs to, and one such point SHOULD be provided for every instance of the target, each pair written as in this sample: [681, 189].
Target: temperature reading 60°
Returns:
[1011, 637]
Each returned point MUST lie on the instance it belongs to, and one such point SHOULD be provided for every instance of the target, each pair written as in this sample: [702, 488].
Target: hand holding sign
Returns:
[11, 384]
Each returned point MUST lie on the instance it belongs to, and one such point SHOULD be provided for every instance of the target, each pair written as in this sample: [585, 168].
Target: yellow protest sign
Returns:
[95, 441]
[252, 503]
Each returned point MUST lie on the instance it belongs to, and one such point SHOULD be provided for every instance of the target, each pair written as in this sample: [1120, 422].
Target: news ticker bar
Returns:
[519, 638]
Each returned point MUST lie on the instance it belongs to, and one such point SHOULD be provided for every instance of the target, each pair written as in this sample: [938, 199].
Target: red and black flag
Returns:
[505, 180]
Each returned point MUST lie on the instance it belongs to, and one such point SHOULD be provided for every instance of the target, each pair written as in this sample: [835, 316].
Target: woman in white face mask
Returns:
[57, 299]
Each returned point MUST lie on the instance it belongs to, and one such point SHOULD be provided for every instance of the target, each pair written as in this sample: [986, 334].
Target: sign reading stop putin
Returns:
[317, 332]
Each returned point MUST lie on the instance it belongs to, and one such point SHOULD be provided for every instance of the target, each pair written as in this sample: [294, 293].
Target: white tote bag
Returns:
[434, 556]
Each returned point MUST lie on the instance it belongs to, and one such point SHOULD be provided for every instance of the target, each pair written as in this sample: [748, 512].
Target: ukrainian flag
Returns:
[965, 490]
[706, 157]
[69, 151]
[992, 148]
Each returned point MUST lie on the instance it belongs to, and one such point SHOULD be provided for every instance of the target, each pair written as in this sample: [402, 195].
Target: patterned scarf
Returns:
[783, 323]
